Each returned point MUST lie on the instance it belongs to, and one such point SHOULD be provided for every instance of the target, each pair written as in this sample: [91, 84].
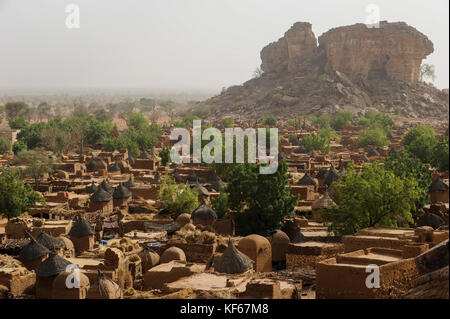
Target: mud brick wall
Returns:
[352, 243]
[307, 257]
[18, 281]
[150, 192]
[199, 253]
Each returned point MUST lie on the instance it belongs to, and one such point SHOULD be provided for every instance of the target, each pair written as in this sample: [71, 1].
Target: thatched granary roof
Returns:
[232, 261]
[114, 168]
[215, 181]
[144, 155]
[192, 178]
[81, 228]
[129, 183]
[91, 188]
[307, 180]
[52, 266]
[332, 176]
[121, 192]
[324, 202]
[177, 176]
[33, 251]
[49, 241]
[107, 187]
[313, 154]
[204, 212]
[101, 195]
[364, 158]
[92, 165]
[373, 152]
[438, 185]
[157, 178]
[200, 189]
[322, 173]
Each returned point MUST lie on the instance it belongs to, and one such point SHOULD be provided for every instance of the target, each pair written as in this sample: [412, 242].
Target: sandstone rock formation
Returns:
[298, 44]
[393, 49]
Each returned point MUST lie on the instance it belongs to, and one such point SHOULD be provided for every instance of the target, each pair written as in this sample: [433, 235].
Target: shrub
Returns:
[374, 136]
[5, 146]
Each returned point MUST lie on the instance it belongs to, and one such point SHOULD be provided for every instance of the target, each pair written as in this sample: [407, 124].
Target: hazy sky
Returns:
[187, 44]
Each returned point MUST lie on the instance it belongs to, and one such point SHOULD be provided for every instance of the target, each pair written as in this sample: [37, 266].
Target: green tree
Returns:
[19, 146]
[268, 120]
[341, 119]
[111, 144]
[374, 198]
[227, 122]
[16, 109]
[221, 204]
[36, 162]
[421, 141]
[427, 71]
[441, 154]
[16, 197]
[177, 198]
[315, 142]
[5, 146]
[364, 121]
[165, 156]
[260, 201]
[374, 136]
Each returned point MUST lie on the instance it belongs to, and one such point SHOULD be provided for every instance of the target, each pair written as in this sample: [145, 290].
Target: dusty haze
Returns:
[177, 44]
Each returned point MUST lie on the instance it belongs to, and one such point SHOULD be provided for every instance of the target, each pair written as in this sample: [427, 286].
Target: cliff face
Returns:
[395, 50]
[298, 45]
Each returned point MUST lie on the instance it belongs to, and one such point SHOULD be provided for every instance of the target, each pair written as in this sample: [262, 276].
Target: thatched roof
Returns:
[107, 187]
[114, 168]
[144, 155]
[364, 158]
[129, 183]
[204, 212]
[52, 266]
[92, 165]
[33, 250]
[49, 241]
[232, 261]
[81, 228]
[215, 181]
[131, 160]
[177, 176]
[307, 180]
[332, 176]
[313, 154]
[324, 202]
[322, 173]
[373, 152]
[91, 188]
[200, 189]
[101, 195]
[438, 185]
[121, 192]
[192, 178]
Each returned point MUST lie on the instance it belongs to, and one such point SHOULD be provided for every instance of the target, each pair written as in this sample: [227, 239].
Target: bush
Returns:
[342, 119]
[227, 122]
[165, 156]
[421, 142]
[177, 198]
[364, 121]
[268, 120]
[441, 154]
[374, 136]
[5, 146]
[221, 204]
[293, 139]
[316, 142]
[19, 146]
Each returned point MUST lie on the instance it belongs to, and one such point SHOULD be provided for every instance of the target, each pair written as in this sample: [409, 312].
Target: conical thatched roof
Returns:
[332, 176]
[121, 192]
[129, 183]
[107, 187]
[322, 173]
[324, 202]
[307, 180]
[52, 266]
[215, 181]
[313, 154]
[364, 158]
[438, 185]
[156, 179]
[131, 160]
[177, 176]
[92, 165]
[33, 250]
[101, 195]
[144, 155]
[81, 228]
[192, 178]
[200, 189]
[373, 152]
[232, 261]
[91, 188]
[114, 168]
[204, 212]
[49, 241]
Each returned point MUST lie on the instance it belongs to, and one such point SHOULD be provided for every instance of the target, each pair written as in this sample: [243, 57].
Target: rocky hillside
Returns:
[348, 68]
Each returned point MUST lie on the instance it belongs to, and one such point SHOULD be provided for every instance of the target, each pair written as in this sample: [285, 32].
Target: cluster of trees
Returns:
[16, 197]
[259, 202]
[376, 128]
[177, 198]
[141, 135]
[423, 143]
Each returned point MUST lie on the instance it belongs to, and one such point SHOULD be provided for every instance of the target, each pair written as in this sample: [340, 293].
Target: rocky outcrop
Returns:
[393, 49]
[298, 45]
